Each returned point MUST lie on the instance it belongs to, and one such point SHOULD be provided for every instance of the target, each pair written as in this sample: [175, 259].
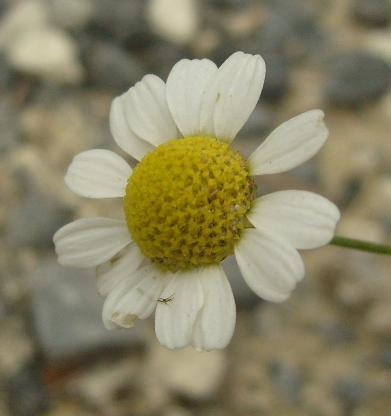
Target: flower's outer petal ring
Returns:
[233, 94]
[270, 266]
[186, 89]
[88, 242]
[215, 324]
[111, 274]
[175, 319]
[123, 135]
[306, 220]
[147, 111]
[98, 173]
[134, 298]
[290, 144]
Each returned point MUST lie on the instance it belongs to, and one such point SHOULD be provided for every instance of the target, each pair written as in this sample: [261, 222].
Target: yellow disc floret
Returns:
[186, 201]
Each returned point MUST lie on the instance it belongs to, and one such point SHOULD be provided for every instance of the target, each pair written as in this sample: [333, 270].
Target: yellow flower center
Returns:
[186, 201]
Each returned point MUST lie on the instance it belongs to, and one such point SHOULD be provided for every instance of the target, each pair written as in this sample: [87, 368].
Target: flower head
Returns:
[190, 202]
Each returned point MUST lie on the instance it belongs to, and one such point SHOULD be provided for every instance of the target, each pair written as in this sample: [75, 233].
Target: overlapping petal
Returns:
[140, 118]
[215, 323]
[187, 85]
[134, 299]
[232, 95]
[123, 135]
[305, 219]
[147, 111]
[269, 265]
[290, 144]
[88, 242]
[174, 320]
[98, 173]
[110, 274]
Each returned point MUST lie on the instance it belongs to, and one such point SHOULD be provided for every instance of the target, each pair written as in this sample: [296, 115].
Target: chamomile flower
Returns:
[190, 202]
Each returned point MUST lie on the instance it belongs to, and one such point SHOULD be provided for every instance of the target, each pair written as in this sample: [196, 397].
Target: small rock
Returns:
[372, 12]
[67, 312]
[174, 20]
[16, 347]
[385, 356]
[291, 31]
[31, 14]
[351, 391]
[378, 319]
[110, 66]
[121, 20]
[188, 373]
[337, 333]
[70, 14]
[287, 379]
[355, 78]
[34, 220]
[67, 407]
[277, 76]
[26, 392]
[269, 320]
[363, 282]
[161, 56]
[10, 134]
[6, 75]
[49, 54]
[100, 383]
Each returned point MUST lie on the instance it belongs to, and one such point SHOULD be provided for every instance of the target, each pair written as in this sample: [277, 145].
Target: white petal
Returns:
[216, 322]
[122, 269]
[290, 144]
[186, 87]
[304, 219]
[88, 242]
[147, 112]
[174, 320]
[130, 301]
[123, 135]
[233, 93]
[98, 173]
[269, 265]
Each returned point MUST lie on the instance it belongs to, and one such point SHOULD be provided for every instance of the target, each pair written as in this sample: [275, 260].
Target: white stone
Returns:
[175, 20]
[378, 319]
[71, 14]
[192, 374]
[28, 14]
[47, 53]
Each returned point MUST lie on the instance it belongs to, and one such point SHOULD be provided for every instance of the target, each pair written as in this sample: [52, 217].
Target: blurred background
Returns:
[324, 352]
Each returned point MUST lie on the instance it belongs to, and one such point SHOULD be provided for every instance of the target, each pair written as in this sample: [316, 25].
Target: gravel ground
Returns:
[324, 352]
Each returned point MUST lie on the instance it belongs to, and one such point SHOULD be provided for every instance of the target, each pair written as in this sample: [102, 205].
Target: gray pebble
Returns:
[337, 333]
[10, 132]
[27, 395]
[277, 76]
[287, 379]
[6, 74]
[372, 12]
[385, 356]
[120, 19]
[228, 4]
[34, 220]
[351, 391]
[67, 312]
[355, 78]
[110, 66]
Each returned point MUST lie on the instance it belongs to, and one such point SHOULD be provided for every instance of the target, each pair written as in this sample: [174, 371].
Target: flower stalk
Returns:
[361, 245]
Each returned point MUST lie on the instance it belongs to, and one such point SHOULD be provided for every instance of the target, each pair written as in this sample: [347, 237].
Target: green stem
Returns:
[361, 245]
